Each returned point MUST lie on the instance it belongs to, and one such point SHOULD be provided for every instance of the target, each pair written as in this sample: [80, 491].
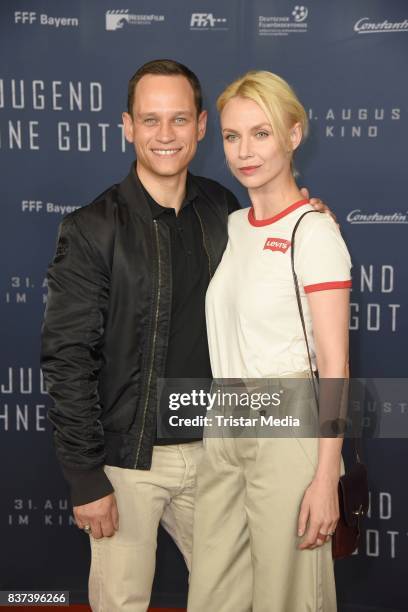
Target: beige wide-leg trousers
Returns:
[122, 567]
[245, 555]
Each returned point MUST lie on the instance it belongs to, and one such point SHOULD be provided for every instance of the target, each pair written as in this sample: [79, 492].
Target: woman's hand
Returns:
[319, 511]
[318, 204]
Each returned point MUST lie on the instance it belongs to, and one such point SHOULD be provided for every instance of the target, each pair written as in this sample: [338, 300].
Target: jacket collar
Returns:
[132, 191]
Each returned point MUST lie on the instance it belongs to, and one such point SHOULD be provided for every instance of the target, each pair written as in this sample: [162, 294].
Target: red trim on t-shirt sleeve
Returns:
[331, 285]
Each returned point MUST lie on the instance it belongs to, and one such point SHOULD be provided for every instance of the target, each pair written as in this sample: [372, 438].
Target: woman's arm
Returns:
[330, 320]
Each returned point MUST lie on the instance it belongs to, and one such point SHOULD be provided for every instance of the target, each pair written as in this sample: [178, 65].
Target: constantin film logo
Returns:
[207, 21]
[119, 19]
[365, 25]
[283, 25]
[358, 217]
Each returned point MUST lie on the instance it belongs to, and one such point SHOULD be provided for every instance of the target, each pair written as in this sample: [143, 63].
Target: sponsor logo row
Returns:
[357, 216]
[293, 21]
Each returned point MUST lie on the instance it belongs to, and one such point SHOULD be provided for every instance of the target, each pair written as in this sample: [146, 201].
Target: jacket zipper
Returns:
[204, 241]
[153, 342]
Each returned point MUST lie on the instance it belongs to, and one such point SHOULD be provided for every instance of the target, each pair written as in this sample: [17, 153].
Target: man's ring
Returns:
[87, 529]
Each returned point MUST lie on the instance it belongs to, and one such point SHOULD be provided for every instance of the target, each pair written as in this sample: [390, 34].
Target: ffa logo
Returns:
[277, 244]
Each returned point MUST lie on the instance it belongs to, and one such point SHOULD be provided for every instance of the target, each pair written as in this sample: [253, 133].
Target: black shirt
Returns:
[187, 354]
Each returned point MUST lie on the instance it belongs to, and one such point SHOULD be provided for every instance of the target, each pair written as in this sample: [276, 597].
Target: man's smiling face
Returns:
[164, 126]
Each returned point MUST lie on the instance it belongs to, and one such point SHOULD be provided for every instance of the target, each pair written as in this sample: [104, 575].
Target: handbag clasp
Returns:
[359, 512]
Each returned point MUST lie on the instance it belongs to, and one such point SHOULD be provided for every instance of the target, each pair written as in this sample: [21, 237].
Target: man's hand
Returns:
[101, 515]
[318, 204]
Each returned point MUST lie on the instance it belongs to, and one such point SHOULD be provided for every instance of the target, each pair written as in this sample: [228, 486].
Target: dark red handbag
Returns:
[353, 485]
[353, 505]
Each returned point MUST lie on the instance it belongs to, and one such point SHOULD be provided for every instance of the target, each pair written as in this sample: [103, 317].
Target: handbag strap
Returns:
[299, 301]
[357, 446]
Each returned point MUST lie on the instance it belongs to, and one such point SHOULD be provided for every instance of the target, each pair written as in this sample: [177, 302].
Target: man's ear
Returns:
[202, 124]
[295, 136]
[127, 126]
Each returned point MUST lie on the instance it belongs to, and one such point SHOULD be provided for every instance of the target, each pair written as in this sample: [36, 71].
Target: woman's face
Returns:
[254, 155]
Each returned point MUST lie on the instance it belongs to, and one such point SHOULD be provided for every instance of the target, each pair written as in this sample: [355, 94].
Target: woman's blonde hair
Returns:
[275, 97]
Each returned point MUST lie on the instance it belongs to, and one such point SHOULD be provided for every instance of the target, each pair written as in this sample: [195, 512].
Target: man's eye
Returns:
[231, 137]
[180, 120]
[149, 121]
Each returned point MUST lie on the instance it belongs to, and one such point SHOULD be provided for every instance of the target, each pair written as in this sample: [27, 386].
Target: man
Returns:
[126, 308]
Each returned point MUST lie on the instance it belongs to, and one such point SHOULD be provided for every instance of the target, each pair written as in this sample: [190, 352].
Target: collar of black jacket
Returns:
[134, 193]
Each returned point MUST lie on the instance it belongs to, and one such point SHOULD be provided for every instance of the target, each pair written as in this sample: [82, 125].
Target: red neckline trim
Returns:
[283, 213]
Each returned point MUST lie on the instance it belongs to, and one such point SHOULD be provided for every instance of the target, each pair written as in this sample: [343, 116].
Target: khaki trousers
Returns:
[245, 555]
[122, 567]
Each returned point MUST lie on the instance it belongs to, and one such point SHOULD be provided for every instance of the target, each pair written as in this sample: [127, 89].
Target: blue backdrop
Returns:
[63, 84]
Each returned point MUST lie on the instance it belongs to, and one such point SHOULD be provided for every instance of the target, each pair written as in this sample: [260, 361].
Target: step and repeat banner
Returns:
[64, 72]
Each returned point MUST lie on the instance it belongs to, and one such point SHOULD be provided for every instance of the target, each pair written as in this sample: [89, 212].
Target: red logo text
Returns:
[277, 244]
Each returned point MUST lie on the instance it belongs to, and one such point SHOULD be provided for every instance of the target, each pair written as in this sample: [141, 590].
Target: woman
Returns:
[267, 507]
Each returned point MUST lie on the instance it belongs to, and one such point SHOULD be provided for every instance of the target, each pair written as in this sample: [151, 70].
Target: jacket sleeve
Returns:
[72, 336]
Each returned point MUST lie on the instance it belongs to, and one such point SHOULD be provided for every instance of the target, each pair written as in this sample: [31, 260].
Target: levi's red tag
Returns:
[277, 244]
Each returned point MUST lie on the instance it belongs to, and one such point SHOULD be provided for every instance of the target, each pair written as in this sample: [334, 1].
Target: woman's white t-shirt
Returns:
[253, 323]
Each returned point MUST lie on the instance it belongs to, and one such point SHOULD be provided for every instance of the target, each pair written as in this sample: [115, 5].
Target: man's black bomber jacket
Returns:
[105, 331]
